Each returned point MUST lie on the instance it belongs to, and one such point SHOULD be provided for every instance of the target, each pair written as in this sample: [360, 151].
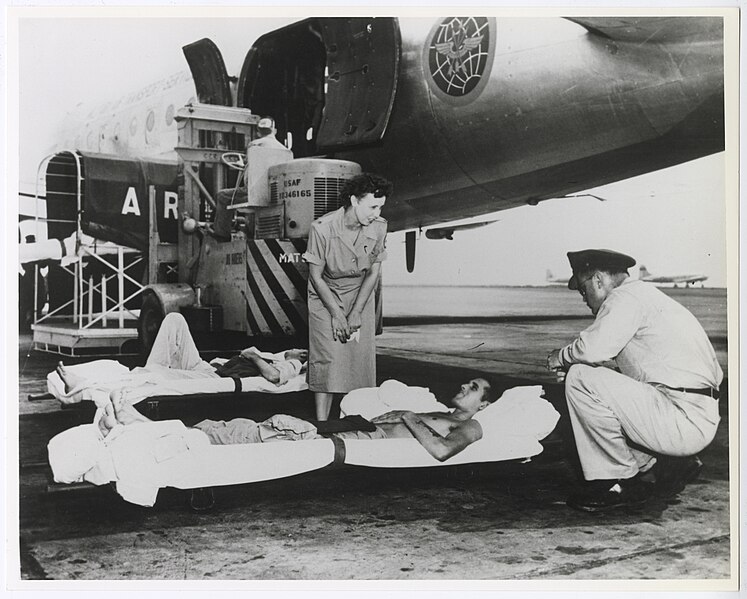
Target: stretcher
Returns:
[107, 375]
[168, 454]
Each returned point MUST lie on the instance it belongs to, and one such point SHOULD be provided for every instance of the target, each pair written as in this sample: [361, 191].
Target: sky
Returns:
[673, 220]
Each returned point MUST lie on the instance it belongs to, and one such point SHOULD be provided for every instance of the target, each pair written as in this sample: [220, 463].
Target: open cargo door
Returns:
[208, 72]
[362, 71]
[329, 83]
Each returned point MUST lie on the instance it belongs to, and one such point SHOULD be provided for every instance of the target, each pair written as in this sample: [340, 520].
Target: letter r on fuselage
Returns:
[170, 199]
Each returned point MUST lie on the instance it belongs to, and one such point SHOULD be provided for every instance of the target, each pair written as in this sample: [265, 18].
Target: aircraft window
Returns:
[116, 132]
[150, 121]
[309, 133]
[289, 140]
[169, 115]
[133, 126]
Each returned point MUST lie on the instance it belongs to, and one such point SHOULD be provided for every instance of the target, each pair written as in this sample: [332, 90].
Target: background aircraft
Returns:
[685, 280]
[555, 280]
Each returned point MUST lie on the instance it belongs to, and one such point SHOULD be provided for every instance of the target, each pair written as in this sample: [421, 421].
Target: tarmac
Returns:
[500, 522]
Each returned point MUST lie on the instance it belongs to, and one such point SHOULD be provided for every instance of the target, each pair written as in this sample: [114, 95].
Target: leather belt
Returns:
[708, 391]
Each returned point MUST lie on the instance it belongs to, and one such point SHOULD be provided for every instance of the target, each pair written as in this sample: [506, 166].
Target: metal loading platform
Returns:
[95, 287]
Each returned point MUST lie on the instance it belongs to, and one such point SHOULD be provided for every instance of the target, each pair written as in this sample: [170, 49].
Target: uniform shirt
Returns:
[268, 141]
[328, 246]
[651, 338]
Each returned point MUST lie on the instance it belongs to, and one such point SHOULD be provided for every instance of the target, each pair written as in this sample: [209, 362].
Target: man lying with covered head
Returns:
[174, 357]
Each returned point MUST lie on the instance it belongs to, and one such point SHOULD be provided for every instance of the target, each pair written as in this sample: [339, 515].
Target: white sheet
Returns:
[142, 458]
[218, 465]
[107, 375]
[408, 453]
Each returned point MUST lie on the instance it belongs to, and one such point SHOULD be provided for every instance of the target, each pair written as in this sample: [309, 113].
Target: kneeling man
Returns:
[659, 403]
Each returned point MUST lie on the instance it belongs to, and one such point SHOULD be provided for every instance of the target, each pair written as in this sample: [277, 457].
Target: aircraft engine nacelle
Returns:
[301, 191]
[439, 234]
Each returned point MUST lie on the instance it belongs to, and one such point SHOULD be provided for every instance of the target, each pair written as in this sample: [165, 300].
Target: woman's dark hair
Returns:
[363, 184]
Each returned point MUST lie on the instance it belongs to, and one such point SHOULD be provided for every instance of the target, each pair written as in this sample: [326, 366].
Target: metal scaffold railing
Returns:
[95, 312]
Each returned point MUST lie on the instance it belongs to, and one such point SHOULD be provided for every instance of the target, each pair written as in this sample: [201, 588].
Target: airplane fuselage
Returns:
[468, 115]
[552, 118]
[680, 279]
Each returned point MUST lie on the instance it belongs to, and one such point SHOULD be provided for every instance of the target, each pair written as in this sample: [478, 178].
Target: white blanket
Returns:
[370, 402]
[142, 458]
[104, 376]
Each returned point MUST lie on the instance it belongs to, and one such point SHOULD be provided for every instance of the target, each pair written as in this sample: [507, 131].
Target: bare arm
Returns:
[267, 370]
[364, 292]
[340, 330]
[442, 448]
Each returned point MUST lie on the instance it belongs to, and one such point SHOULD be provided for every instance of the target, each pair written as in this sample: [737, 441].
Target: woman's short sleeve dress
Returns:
[336, 367]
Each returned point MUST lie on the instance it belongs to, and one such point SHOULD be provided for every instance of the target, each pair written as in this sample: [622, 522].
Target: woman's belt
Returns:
[708, 391]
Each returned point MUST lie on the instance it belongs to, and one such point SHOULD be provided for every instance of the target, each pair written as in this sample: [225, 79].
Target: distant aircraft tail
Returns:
[643, 272]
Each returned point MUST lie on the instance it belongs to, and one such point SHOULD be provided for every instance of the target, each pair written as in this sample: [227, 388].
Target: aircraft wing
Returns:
[651, 29]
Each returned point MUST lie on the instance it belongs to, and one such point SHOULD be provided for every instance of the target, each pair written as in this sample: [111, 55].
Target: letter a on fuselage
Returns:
[131, 205]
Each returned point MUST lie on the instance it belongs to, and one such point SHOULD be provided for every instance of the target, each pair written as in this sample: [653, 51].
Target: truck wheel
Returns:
[151, 316]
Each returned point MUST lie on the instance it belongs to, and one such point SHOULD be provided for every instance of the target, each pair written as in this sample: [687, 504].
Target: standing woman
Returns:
[344, 253]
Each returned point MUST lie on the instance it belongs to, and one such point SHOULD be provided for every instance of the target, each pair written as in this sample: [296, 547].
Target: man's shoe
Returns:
[603, 495]
[673, 474]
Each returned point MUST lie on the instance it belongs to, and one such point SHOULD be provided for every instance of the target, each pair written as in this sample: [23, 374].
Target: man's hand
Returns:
[553, 360]
[393, 417]
[302, 355]
[249, 353]
[554, 364]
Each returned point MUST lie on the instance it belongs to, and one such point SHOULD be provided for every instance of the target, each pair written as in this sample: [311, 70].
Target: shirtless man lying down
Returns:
[442, 434]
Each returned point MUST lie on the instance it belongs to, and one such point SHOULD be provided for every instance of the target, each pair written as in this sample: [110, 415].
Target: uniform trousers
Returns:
[609, 410]
[174, 349]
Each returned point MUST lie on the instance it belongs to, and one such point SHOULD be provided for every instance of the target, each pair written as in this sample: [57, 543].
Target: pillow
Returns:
[520, 411]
